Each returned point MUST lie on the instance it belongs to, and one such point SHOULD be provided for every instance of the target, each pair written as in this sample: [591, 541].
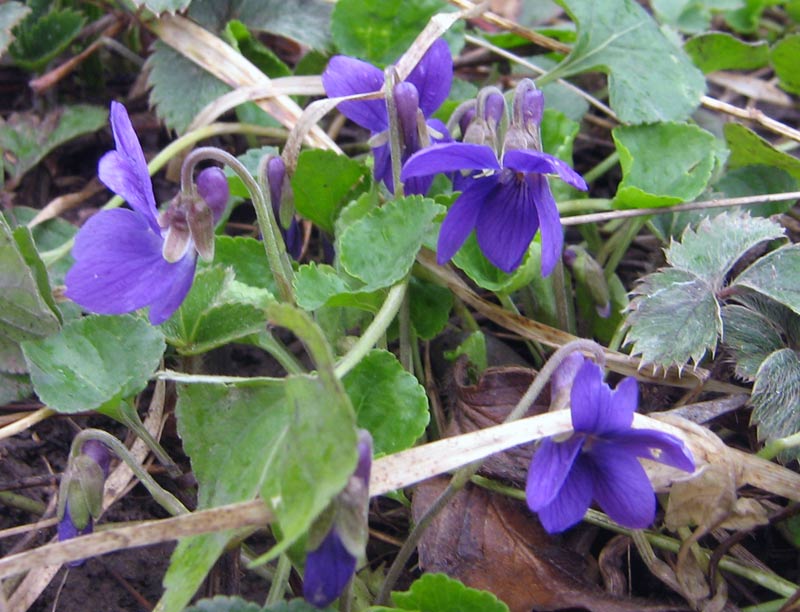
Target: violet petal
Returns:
[124, 170]
[621, 487]
[593, 410]
[641, 443]
[450, 157]
[346, 76]
[507, 223]
[526, 160]
[328, 570]
[549, 221]
[462, 217]
[572, 501]
[433, 77]
[550, 468]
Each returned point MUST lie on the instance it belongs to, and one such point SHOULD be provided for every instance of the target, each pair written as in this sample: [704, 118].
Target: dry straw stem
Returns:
[220, 59]
[550, 336]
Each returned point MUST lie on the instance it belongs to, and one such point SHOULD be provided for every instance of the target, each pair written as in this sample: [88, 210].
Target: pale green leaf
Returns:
[389, 402]
[440, 593]
[11, 13]
[713, 51]
[776, 399]
[42, 37]
[711, 250]
[673, 318]
[94, 362]
[649, 78]
[318, 285]
[223, 603]
[784, 57]
[750, 337]
[748, 148]
[473, 262]
[757, 180]
[775, 275]
[663, 163]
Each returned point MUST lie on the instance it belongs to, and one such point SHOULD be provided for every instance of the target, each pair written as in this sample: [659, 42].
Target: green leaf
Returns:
[378, 31]
[440, 593]
[776, 399]
[558, 135]
[222, 603]
[14, 387]
[473, 262]
[251, 160]
[784, 60]
[324, 182]
[656, 83]
[663, 164]
[674, 317]
[306, 21]
[748, 148]
[27, 311]
[380, 248]
[261, 56]
[217, 310]
[40, 38]
[389, 402]
[474, 347]
[754, 181]
[318, 285]
[27, 139]
[94, 362]
[162, 6]
[11, 13]
[51, 234]
[775, 275]
[722, 51]
[430, 306]
[246, 257]
[691, 15]
[171, 76]
[750, 337]
[711, 250]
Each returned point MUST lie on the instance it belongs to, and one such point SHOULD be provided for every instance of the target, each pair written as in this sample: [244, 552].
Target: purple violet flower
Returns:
[504, 202]
[121, 261]
[332, 563]
[600, 459]
[424, 90]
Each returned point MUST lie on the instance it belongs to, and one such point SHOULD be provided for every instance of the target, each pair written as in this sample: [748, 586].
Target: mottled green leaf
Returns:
[657, 82]
[389, 402]
[691, 15]
[217, 310]
[247, 258]
[378, 31]
[748, 148]
[223, 603]
[775, 275]
[710, 250]
[713, 51]
[51, 234]
[750, 337]
[171, 76]
[776, 399]
[324, 182]
[380, 247]
[754, 181]
[430, 306]
[784, 57]
[318, 285]
[673, 318]
[473, 262]
[162, 6]
[26, 138]
[94, 362]
[440, 593]
[11, 13]
[663, 163]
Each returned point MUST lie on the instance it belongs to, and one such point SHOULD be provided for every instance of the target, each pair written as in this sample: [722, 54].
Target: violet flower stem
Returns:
[164, 498]
[275, 250]
[279, 581]
[463, 476]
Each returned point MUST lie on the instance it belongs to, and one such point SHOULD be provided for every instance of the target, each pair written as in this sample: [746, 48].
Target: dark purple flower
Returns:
[600, 459]
[426, 87]
[332, 563]
[505, 203]
[129, 259]
[279, 189]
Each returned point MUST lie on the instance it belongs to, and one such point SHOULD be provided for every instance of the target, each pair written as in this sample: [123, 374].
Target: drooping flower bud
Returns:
[589, 274]
[212, 185]
[80, 495]
[562, 378]
[203, 213]
[339, 537]
[282, 199]
[526, 116]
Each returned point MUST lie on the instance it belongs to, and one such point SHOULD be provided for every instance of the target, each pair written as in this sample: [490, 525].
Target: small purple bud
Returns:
[589, 274]
[561, 381]
[99, 452]
[494, 108]
[466, 119]
[406, 99]
[276, 175]
[364, 466]
[213, 188]
[528, 105]
[328, 570]
[67, 530]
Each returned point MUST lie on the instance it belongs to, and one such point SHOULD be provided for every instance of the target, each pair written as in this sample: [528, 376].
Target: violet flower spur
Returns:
[505, 202]
[600, 459]
[426, 87]
[130, 259]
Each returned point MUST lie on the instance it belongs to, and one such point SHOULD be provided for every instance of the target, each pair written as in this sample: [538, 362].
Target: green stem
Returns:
[602, 167]
[567, 208]
[775, 447]
[161, 160]
[279, 581]
[564, 310]
[622, 240]
[273, 244]
[21, 502]
[374, 331]
[267, 341]
[407, 344]
[164, 498]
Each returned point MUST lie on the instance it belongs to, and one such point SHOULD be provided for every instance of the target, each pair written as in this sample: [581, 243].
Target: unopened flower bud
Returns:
[212, 185]
[406, 100]
[561, 381]
[589, 274]
[281, 197]
[528, 105]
